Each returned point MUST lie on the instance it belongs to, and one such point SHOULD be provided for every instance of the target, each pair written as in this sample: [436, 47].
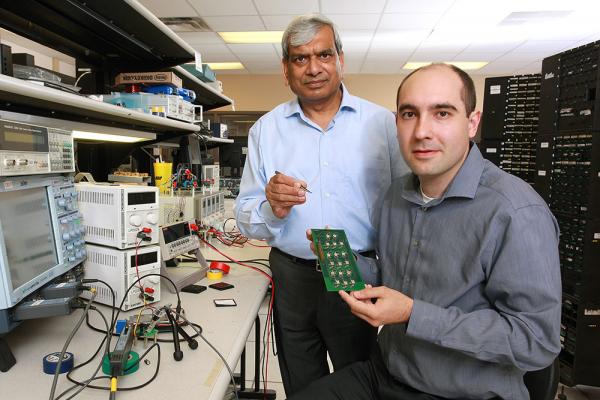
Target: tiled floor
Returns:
[274, 376]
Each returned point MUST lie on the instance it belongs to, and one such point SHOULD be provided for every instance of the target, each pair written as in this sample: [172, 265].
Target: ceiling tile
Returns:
[201, 37]
[501, 47]
[264, 58]
[405, 41]
[214, 52]
[262, 67]
[401, 6]
[353, 41]
[477, 56]
[352, 6]
[549, 46]
[208, 8]
[355, 21]
[434, 47]
[378, 66]
[522, 57]
[278, 7]
[409, 21]
[235, 23]
[433, 56]
[172, 8]
[277, 22]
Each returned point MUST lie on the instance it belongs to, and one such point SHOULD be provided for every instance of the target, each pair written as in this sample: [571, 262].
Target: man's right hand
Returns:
[283, 192]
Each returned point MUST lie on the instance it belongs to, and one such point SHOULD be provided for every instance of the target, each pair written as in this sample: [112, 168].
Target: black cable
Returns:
[87, 382]
[131, 366]
[66, 345]
[96, 329]
[217, 352]
[224, 223]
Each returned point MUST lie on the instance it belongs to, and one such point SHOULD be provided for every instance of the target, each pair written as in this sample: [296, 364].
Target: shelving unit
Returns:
[207, 96]
[109, 38]
[19, 95]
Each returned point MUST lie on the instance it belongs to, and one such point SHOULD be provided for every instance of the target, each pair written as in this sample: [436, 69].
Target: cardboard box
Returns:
[154, 78]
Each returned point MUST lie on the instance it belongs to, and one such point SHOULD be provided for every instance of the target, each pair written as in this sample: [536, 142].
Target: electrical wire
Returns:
[87, 382]
[269, 313]
[131, 366]
[67, 342]
[218, 353]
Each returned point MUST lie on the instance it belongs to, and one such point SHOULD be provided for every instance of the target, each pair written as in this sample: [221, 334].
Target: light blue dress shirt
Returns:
[348, 167]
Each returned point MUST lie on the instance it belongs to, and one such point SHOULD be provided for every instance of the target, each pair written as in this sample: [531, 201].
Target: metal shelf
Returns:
[18, 95]
[119, 35]
[206, 95]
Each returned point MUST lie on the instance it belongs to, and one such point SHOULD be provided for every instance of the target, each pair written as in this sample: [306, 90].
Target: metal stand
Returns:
[186, 280]
[257, 393]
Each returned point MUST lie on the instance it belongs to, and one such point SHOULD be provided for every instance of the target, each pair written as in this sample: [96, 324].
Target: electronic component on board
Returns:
[337, 261]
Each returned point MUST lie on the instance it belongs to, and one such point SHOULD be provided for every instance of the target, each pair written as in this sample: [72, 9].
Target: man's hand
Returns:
[312, 245]
[390, 306]
[283, 192]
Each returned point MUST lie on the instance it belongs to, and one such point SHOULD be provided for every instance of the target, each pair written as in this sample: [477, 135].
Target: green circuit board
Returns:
[337, 261]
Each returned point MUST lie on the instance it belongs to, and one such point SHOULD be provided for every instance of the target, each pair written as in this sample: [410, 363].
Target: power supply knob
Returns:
[135, 220]
[66, 236]
[62, 202]
[152, 218]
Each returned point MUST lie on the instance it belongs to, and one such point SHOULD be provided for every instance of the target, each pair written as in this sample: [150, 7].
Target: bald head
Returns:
[468, 95]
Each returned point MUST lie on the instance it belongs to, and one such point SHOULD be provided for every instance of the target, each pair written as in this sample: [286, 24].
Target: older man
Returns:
[323, 158]
[468, 260]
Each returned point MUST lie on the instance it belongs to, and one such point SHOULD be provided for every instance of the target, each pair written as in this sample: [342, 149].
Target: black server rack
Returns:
[568, 178]
[509, 125]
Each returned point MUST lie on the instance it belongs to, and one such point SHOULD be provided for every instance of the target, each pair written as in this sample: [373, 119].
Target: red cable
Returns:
[269, 313]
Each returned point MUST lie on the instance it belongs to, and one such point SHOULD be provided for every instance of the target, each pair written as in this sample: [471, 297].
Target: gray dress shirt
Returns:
[482, 266]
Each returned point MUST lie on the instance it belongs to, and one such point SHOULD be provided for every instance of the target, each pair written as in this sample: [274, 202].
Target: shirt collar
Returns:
[349, 102]
[464, 184]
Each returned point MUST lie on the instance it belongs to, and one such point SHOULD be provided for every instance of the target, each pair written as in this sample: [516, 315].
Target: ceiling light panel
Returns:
[278, 7]
[208, 8]
[225, 65]
[252, 37]
[352, 6]
[193, 38]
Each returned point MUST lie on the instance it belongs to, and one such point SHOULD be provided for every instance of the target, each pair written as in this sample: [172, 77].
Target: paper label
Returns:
[541, 173]
[495, 89]
[544, 145]
[491, 150]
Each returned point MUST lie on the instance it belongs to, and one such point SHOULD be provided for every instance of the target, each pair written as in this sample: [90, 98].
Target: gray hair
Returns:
[303, 29]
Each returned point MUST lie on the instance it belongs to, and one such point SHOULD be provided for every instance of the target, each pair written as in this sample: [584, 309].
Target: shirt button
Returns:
[416, 243]
[327, 195]
[325, 163]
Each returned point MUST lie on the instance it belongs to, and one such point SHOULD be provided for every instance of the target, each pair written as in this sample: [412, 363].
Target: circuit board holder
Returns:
[337, 261]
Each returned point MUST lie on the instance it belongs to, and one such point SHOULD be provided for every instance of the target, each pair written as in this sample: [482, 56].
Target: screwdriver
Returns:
[301, 186]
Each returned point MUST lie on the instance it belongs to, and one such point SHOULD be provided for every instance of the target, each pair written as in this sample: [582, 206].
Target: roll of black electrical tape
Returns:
[51, 362]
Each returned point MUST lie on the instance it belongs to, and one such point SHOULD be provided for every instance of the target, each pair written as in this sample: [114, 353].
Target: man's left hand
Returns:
[389, 307]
